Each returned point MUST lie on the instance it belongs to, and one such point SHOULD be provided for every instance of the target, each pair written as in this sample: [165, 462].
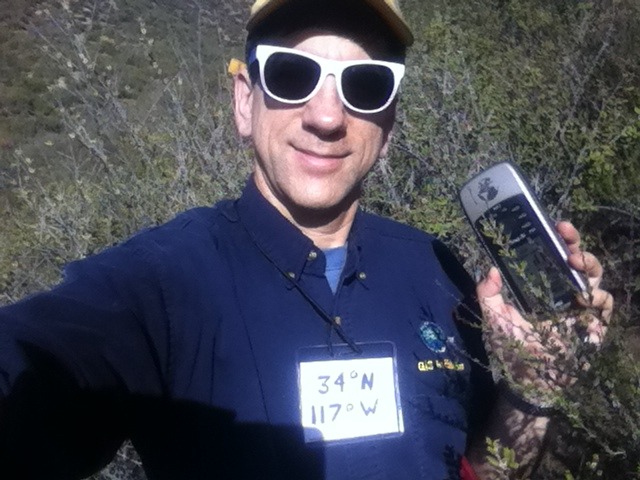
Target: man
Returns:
[286, 334]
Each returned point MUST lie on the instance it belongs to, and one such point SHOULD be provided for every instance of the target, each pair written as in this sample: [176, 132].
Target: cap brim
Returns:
[393, 19]
[264, 12]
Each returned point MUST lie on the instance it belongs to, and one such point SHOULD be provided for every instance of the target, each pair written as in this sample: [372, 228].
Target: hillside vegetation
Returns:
[115, 115]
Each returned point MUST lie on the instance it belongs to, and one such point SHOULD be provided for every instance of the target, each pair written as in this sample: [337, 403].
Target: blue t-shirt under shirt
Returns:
[335, 259]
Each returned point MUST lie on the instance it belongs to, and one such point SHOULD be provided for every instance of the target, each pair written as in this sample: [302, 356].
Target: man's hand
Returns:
[529, 353]
[537, 358]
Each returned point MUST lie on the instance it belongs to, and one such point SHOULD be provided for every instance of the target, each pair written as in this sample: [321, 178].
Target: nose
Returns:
[325, 113]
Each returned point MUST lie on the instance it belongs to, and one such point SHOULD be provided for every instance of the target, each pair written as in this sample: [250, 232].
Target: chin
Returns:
[324, 205]
[316, 205]
[326, 198]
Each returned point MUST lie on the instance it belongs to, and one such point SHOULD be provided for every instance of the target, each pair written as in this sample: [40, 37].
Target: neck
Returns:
[330, 234]
[327, 228]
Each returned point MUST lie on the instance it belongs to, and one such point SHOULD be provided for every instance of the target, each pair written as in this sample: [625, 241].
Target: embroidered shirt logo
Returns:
[446, 364]
[433, 337]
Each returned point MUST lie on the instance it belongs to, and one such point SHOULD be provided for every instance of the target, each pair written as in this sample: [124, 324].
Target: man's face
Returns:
[312, 157]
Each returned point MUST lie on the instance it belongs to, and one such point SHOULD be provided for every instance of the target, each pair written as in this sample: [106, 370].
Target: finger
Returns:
[570, 235]
[600, 300]
[491, 301]
[595, 333]
[588, 264]
[581, 261]
[490, 286]
[605, 305]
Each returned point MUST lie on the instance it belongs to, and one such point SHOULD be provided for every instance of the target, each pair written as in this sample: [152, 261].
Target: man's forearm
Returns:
[514, 429]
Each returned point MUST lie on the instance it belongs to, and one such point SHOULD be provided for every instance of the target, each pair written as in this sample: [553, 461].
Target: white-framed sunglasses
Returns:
[293, 77]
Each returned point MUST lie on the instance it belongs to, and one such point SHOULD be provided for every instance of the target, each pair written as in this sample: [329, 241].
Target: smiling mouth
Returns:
[319, 163]
[321, 155]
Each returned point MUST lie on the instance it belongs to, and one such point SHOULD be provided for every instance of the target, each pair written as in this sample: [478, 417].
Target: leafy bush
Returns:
[127, 105]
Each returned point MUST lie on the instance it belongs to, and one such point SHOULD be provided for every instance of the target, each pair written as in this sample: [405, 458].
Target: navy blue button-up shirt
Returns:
[186, 337]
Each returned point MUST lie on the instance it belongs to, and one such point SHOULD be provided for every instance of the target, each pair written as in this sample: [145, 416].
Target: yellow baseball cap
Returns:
[389, 11]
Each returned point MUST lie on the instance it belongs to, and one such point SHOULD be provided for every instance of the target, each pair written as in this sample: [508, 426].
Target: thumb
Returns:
[501, 316]
[489, 286]
[490, 297]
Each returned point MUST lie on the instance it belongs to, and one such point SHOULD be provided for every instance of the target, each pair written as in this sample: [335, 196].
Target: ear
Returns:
[386, 141]
[243, 102]
[387, 128]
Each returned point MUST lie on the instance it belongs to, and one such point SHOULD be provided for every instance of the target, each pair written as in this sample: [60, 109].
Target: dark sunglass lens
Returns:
[290, 76]
[367, 87]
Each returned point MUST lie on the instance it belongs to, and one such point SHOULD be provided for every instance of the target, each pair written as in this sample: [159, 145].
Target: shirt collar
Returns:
[280, 240]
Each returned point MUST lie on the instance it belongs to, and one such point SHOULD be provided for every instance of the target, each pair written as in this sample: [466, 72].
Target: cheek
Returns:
[269, 129]
[372, 143]
[261, 137]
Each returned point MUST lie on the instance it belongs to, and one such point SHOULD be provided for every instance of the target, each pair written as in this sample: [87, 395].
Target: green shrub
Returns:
[122, 118]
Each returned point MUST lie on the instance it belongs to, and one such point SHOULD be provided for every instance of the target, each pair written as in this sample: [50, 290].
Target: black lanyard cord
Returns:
[333, 325]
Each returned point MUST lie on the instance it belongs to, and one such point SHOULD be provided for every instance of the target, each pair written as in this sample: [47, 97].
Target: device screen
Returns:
[537, 274]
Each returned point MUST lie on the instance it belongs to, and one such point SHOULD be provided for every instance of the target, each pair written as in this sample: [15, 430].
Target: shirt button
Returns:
[362, 276]
[291, 275]
[338, 320]
[312, 255]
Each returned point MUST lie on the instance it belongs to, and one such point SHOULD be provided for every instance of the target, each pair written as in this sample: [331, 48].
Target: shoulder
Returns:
[407, 241]
[416, 250]
[198, 220]
[179, 241]
[384, 227]
[197, 227]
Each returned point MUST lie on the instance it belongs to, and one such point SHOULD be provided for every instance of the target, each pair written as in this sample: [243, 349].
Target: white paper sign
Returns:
[349, 399]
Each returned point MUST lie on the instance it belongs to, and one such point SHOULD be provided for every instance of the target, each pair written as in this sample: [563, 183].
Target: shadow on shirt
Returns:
[51, 429]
